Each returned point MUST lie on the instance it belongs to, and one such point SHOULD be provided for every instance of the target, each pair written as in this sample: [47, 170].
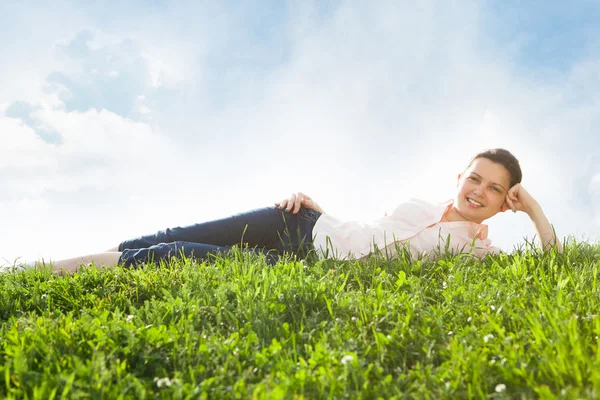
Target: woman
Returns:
[489, 185]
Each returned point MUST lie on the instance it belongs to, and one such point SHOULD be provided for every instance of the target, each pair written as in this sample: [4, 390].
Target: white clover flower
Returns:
[450, 333]
[347, 360]
[500, 388]
[444, 284]
[354, 319]
[281, 297]
[469, 319]
[493, 308]
[129, 318]
[160, 382]
[488, 337]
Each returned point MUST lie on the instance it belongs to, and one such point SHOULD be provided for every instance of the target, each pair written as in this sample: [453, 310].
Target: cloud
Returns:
[92, 143]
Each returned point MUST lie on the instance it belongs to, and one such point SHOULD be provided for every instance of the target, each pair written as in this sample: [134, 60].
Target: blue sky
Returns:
[119, 119]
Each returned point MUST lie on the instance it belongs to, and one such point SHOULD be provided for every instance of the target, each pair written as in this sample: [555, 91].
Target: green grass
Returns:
[234, 327]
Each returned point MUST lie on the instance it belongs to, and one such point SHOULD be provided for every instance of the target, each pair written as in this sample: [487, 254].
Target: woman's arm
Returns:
[518, 199]
[545, 231]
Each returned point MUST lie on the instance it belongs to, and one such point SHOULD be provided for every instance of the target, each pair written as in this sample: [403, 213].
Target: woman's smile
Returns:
[473, 203]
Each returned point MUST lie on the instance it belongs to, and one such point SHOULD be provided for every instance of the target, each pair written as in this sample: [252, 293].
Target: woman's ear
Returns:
[458, 179]
[505, 207]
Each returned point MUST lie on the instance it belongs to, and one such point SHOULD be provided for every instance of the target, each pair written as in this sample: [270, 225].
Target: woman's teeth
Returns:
[474, 202]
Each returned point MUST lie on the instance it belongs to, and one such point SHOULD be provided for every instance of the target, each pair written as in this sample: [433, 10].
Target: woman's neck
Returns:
[453, 215]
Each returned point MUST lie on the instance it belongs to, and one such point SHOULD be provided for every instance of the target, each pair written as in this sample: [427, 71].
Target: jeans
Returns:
[268, 230]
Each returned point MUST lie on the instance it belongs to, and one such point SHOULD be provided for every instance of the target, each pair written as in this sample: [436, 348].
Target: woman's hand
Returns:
[519, 199]
[296, 201]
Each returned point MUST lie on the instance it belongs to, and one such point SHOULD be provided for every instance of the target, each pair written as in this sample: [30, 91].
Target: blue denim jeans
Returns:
[268, 230]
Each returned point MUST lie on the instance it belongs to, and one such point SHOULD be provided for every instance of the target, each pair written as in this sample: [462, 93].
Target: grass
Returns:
[522, 325]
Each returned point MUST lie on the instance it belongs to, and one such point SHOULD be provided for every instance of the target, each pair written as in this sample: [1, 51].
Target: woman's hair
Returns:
[504, 158]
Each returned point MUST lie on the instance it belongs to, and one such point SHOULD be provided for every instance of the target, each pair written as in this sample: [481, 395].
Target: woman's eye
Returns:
[473, 178]
[496, 189]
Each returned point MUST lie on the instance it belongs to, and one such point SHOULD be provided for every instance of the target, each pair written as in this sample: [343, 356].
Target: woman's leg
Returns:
[132, 257]
[257, 228]
[261, 230]
[199, 251]
[71, 265]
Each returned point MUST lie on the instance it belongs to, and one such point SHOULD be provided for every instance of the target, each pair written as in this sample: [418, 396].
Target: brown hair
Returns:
[504, 158]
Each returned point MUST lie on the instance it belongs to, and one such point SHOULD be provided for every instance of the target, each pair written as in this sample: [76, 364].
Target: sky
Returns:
[118, 119]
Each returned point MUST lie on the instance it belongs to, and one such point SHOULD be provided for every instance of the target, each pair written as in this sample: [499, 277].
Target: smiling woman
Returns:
[489, 185]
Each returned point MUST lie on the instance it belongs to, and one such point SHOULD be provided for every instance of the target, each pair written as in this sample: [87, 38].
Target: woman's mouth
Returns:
[473, 203]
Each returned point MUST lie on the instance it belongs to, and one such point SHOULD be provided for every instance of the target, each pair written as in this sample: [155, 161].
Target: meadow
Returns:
[521, 325]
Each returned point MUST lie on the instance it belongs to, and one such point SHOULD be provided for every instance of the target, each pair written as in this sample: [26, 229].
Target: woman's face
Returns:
[481, 191]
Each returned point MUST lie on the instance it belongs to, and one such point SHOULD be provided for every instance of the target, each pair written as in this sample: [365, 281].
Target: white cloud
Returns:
[21, 146]
[98, 148]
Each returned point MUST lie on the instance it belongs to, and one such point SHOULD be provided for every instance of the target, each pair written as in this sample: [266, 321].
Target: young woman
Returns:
[489, 185]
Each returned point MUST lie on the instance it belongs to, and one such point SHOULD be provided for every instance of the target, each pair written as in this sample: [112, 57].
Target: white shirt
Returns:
[416, 224]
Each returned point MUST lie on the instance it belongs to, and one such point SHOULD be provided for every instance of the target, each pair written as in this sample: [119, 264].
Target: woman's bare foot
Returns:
[71, 265]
